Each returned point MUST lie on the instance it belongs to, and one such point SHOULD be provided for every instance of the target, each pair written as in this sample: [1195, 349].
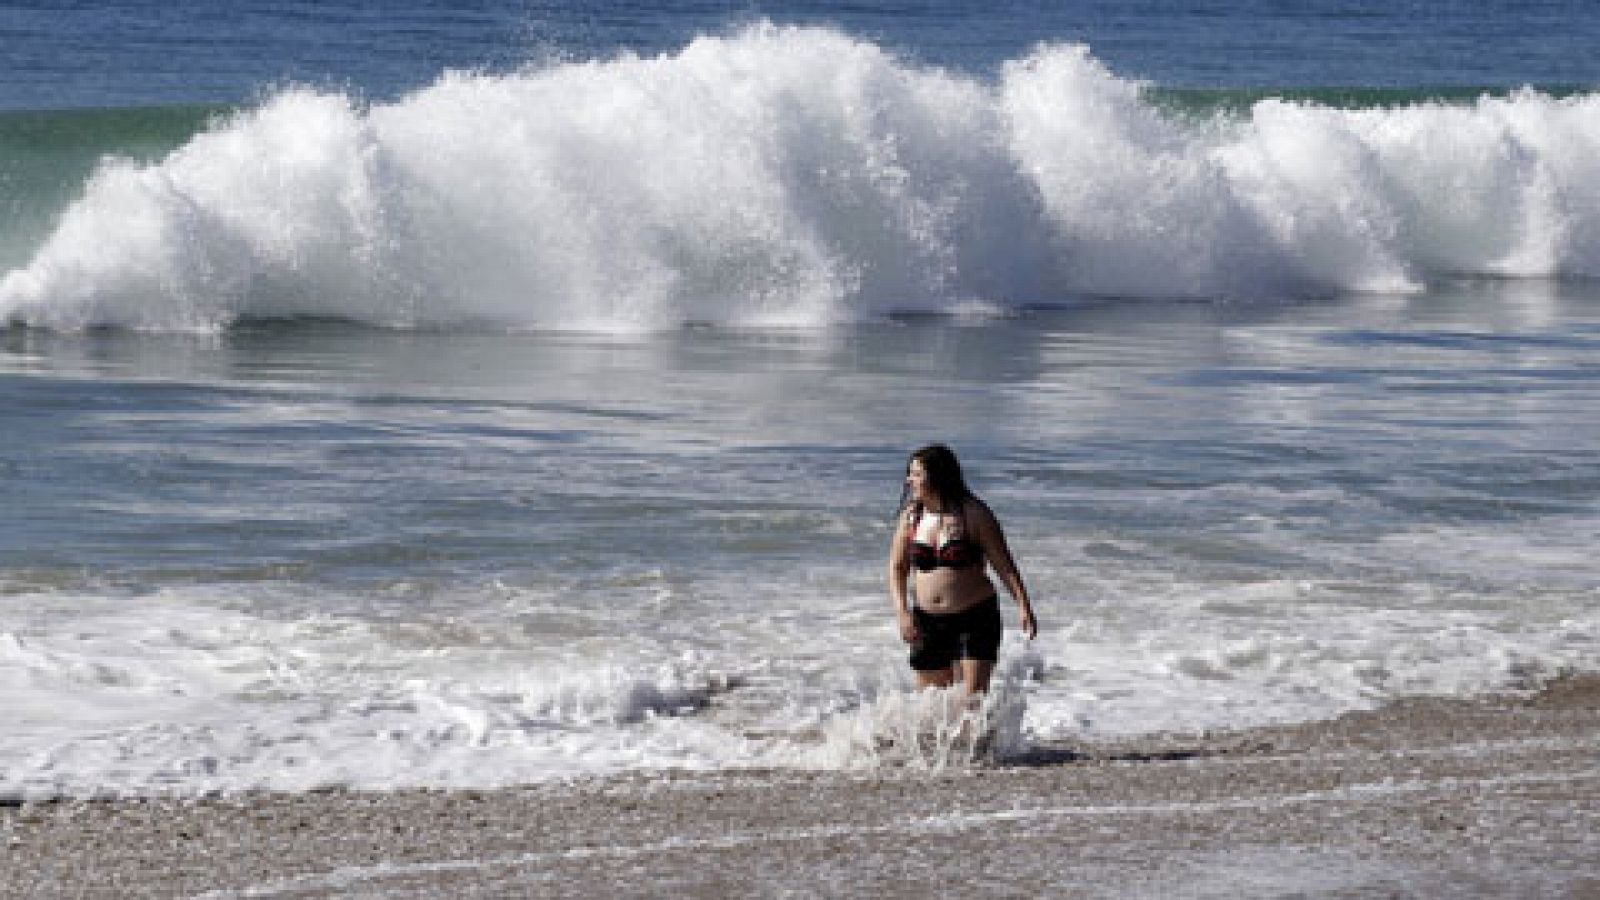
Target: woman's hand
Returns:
[908, 627]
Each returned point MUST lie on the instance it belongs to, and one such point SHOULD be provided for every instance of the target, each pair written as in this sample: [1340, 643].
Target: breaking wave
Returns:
[787, 176]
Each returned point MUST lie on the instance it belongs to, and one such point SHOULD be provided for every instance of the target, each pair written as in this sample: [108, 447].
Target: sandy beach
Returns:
[1427, 797]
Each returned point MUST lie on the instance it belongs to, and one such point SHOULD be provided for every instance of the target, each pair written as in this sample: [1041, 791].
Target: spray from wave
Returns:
[798, 176]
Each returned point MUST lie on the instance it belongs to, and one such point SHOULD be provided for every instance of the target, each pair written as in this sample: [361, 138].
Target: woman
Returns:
[951, 538]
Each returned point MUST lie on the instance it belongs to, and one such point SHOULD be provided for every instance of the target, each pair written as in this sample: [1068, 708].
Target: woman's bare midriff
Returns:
[945, 591]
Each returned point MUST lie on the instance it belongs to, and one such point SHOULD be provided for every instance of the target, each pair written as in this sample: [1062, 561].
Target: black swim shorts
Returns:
[973, 633]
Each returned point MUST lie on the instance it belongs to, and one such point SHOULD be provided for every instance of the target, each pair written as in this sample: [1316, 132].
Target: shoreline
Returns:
[1496, 796]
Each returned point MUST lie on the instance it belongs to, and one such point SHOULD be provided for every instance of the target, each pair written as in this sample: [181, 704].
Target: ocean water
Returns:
[403, 395]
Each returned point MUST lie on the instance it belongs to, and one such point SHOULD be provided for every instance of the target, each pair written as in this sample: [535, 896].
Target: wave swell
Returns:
[799, 176]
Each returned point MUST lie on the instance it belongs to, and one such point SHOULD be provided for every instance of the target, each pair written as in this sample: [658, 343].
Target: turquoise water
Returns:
[546, 417]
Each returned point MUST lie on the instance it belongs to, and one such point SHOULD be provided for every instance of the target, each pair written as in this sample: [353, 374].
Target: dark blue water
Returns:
[145, 52]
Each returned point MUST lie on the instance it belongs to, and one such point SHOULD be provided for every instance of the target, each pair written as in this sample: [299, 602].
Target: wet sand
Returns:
[1498, 797]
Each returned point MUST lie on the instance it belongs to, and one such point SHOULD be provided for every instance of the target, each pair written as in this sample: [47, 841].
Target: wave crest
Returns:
[799, 176]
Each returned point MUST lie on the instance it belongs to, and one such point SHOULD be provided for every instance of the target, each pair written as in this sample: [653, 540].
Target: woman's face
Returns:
[917, 481]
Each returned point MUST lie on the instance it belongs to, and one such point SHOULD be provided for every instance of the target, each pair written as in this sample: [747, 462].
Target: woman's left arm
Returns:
[992, 539]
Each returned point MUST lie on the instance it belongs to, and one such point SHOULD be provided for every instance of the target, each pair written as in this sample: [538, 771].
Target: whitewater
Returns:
[799, 176]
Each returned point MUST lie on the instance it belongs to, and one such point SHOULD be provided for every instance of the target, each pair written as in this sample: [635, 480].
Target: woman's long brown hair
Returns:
[944, 476]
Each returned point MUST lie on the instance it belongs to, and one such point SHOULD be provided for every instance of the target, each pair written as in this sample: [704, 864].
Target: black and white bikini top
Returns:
[956, 553]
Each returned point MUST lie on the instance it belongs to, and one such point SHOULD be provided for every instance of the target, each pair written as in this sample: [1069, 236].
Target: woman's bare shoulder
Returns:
[907, 517]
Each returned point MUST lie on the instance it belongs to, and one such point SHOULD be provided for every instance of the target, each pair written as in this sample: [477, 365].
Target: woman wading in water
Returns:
[950, 538]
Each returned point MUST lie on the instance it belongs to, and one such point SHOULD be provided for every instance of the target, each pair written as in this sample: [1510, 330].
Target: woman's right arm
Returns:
[899, 572]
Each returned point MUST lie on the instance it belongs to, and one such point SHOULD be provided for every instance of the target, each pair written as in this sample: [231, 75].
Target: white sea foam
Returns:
[1189, 656]
[172, 693]
[799, 176]
[934, 729]
[168, 693]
